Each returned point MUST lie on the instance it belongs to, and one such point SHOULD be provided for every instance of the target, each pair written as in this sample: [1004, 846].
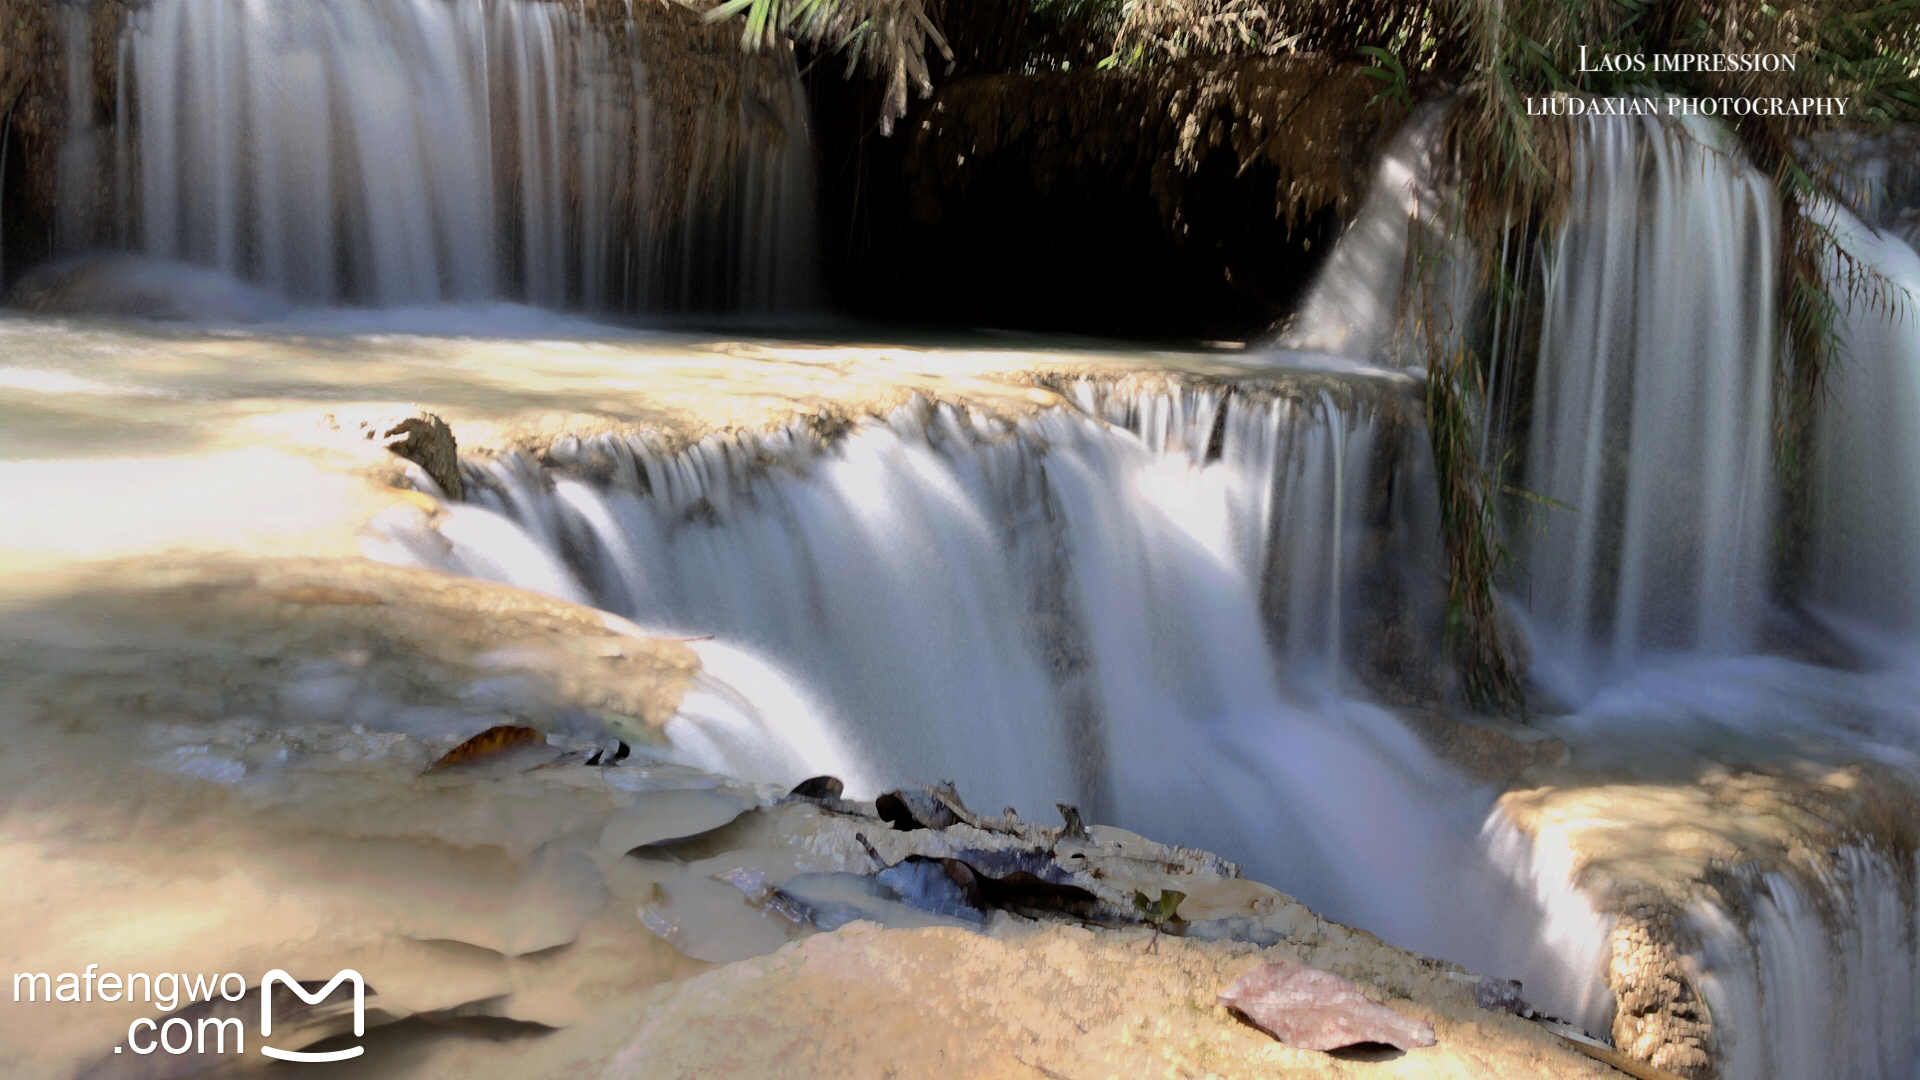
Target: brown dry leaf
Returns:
[490, 743]
[1310, 1009]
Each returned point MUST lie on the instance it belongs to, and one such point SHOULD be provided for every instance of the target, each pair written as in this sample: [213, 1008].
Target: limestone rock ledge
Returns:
[222, 764]
[1736, 898]
[1046, 1001]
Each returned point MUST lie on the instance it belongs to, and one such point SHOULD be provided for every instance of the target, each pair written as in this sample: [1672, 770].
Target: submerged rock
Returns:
[669, 817]
[831, 901]
[135, 286]
[908, 810]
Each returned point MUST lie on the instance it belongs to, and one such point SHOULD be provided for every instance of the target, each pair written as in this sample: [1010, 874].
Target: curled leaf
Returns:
[1159, 911]
[491, 743]
[1310, 1009]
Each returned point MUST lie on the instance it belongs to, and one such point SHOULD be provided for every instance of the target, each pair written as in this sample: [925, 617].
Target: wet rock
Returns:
[831, 901]
[669, 817]
[1660, 1017]
[819, 787]
[1074, 829]
[910, 810]
[1708, 871]
[427, 441]
[942, 886]
[135, 286]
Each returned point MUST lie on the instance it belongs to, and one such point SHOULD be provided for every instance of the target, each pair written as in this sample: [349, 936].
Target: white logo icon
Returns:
[315, 998]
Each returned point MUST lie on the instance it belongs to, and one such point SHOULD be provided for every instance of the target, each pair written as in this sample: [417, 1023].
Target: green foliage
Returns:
[1162, 914]
[1158, 911]
[1386, 67]
[890, 37]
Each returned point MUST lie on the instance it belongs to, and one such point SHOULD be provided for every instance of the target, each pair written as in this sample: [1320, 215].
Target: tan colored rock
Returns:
[1651, 852]
[1043, 1001]
[305, 638]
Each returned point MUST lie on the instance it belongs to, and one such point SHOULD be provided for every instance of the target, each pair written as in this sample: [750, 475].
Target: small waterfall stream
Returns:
[406, 152]
[1822, 981]
[1645, 588]
[1651, 413]
[1867, 521]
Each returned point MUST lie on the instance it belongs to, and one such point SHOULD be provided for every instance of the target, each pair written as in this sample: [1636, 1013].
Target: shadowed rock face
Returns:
[133, 286]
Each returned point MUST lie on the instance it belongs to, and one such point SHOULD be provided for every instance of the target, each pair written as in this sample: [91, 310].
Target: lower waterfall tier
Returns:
[1057, 606]
[1205, 606]
[1159, 627]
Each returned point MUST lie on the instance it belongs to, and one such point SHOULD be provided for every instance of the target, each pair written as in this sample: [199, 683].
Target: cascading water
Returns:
[1172, 601]
[1048, 609]
[1650, 427]
[1651, 413]
[1356, 310]
[399, 152]
[1867, 519]
[1821, 981]
[1158, 604]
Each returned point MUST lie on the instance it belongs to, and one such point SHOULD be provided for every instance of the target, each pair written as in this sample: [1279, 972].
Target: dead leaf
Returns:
[492, 742]
[1310, 1009]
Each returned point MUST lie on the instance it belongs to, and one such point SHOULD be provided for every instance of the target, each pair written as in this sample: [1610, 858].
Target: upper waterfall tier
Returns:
[1652, 409]
[395, 152]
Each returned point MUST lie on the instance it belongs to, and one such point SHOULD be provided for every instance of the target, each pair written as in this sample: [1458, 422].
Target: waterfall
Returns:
[402, 152]
[1651, 414]
[1143, 604]
[1356, 310]
[1867, 460]
[1818, 981]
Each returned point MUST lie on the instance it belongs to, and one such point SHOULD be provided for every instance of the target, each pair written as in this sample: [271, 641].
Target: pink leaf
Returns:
[1310, 1009]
